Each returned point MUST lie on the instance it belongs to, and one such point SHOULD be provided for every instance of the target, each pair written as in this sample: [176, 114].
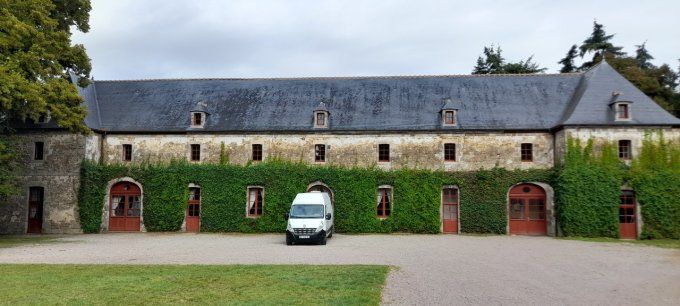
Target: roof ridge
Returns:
[348, 77]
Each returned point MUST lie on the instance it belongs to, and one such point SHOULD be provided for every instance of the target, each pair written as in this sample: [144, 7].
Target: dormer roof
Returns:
[321, 107]
[201, 107]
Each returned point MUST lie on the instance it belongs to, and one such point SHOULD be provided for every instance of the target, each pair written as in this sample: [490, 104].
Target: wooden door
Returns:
[35, 210]
[125, 208]
[193, 217]
[627, 216]
[450, 210]
[527, 211]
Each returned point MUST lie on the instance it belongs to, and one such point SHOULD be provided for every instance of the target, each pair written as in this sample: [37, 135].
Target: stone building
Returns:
[450, 123]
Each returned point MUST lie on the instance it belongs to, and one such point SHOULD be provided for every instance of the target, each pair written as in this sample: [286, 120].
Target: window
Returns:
[627, 208]
[526, 152]
[44, 118]
[624, 149]
[450, 203]
[195, 152]
[127, 152]
[622, 111]
[320, 119]
[383, 152]
[257, 152]
[255, 200]
[320, 153]
[449, 152]
[197, 119]
[517, 209]
[194, 209]
[384, 202]
[449, 117]
[38, 151]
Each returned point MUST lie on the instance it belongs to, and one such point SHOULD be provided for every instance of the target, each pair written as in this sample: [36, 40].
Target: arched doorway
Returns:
[321, 187]
[125, 207]
[527, 210]
[36, 197]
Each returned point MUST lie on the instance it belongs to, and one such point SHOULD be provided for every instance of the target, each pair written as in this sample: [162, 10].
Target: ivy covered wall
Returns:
[416, 195]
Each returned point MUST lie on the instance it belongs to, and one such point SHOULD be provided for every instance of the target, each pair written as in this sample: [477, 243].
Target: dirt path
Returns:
[431, 269]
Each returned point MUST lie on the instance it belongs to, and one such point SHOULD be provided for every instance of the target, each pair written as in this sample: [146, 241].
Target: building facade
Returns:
[447, 123]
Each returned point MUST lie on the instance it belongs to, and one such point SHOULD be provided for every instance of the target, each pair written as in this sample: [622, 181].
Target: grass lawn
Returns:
[662, 243]
[12, 241]
[191, 284]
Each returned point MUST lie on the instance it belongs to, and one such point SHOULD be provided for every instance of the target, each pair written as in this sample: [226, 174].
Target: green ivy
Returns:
[416, 195]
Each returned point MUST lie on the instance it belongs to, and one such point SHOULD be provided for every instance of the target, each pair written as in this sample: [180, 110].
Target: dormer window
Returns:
[321, 116]
[622, 111]
[199, 115]
[44, 118]
[197, 119]
[449, 114]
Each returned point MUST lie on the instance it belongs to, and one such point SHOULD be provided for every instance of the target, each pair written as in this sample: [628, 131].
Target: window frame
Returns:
[381, 204]
[526, 154]
[448, 151]
[201, 119]
[628, 153]
[255, 203]
[622, 111]
[195, 152]
[324, 119]
[39, 151]
[384, 148]
[445, 117]
[194, 202]
[455, 202]
[320, 153]
[624, 217]
[127, 152]
[256, 150]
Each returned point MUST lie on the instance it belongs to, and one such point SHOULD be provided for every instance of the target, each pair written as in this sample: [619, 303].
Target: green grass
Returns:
[191, 284]
[12, 241]
[661, 243]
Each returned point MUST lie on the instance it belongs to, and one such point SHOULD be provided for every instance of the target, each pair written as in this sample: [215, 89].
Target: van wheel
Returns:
[330, 232]
[289, 241]
[323, 240]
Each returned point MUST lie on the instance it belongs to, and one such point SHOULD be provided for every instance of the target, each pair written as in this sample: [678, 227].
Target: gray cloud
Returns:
[272, 38]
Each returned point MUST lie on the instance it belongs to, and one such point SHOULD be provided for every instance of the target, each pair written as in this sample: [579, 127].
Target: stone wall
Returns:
[614, 134]
[408, 150]
[58, 173]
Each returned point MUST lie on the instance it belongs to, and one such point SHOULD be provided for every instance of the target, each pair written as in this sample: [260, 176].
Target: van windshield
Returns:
[306, 211]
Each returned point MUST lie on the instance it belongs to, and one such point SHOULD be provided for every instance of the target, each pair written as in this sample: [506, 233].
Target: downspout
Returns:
[101, 148]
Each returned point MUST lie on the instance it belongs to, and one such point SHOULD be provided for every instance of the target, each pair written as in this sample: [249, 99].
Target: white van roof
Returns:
[309, 198]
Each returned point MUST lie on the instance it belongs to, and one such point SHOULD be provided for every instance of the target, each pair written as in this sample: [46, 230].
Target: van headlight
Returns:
[290, 228]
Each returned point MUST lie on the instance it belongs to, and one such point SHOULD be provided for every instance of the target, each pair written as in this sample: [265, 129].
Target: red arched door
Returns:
[627, 223]
[527, 210]
[193, 218]
[125, 207]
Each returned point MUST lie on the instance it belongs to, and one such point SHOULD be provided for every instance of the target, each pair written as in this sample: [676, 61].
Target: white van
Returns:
[310, 218]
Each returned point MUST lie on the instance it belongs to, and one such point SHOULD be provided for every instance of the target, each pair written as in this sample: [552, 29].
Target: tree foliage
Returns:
[598, 44]
[567, 62]
[37, 58]
[493, 63]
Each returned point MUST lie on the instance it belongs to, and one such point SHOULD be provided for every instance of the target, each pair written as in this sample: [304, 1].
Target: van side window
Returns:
[255, 202]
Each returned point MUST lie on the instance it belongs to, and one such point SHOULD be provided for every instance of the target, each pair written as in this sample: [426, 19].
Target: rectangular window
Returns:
[383, 152]
[627, 208]
[449, 117]
[622, 111]
[450, 203]
[517, 209]
[38, 152]
[194, 208]
[255, 200]
[195, 152]
[527, 152]
[320, 153]
[384, 202]
[449, 152]
[320, 119]
[624, 149]
[127, 152]
[257, 152]
[536, 209]
[197, 119]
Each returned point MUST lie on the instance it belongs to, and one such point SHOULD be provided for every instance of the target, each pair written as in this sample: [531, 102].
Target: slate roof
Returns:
[409, 103]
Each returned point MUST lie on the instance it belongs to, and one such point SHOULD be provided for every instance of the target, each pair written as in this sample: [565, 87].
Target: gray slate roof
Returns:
[498, 102]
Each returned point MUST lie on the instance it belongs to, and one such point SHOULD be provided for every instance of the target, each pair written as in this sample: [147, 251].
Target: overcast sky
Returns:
[133, 39]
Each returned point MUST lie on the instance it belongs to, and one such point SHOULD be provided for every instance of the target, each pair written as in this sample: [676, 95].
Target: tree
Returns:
[568, 61]
[36, 58]
[599, 44]
[494, 63]
[642, 56]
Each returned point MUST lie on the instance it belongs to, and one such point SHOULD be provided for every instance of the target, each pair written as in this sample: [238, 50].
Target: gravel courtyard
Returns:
[430, 269]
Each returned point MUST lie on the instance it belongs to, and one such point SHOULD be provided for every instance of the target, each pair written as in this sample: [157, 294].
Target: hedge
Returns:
[416, 195]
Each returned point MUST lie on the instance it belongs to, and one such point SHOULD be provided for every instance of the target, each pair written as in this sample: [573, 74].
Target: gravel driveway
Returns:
[430, 269]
